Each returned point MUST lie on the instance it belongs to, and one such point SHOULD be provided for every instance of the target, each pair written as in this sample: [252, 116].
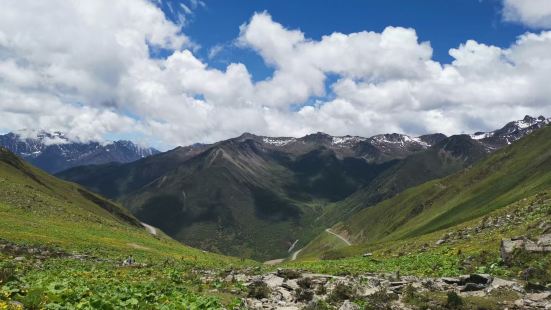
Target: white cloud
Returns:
[59, 54]
[532, 13]
[215, 50]
[62, 70]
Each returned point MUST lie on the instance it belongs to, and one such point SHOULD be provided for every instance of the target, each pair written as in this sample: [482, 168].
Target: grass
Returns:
[477, 252]
[39, 210]
[509, 175]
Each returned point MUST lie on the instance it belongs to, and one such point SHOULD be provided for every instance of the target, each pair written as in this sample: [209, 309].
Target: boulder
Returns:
[284, 295]
[290, 285]
[539, 296]
[508, 246]
[273, 281]
[498, 283]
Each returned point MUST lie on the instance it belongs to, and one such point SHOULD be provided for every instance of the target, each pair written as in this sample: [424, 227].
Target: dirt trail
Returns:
[152, 230]
[339, 236]
[294, 257]
[274, 261]
[296, 253]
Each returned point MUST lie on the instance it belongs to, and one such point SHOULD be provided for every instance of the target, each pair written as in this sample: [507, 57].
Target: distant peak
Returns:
[528, 119]
[317, 135]
[247, 135]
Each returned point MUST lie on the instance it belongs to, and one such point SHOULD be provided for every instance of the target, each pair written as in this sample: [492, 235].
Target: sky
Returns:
[176, 72]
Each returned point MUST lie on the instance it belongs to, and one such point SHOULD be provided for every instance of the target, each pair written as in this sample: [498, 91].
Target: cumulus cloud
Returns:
[61, 69]
[532, 13]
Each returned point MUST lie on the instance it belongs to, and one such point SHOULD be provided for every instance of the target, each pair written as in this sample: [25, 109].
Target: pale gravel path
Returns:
[339, 236]
[152, 230]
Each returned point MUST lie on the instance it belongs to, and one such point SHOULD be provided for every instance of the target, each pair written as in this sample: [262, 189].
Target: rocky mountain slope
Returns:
[63, 247]
[511, 132]
[510, 174]
[250, 195]
[53, 152]
[256, 196]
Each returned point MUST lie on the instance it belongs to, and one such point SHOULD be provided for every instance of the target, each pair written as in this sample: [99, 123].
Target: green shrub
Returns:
[7, 273]
[259, 290]
[454, 301]
[33, 300]
[380, 299]
[288, 273]
[304, 294]
[342, 292]
[305, 283]
[412, 297]
[321, 290]
[318, 305]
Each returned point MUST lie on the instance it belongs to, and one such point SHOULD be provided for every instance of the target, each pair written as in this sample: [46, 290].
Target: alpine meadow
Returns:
[195, 154]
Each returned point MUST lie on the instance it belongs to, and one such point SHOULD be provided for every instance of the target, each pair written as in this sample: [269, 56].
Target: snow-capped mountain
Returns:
[53, 152]
[378, 148]
[384, 147]
[511, 132]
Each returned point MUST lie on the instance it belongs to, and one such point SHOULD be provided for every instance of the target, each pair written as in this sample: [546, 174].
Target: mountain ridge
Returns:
[508, 175]
[257, 195]
[53, 152]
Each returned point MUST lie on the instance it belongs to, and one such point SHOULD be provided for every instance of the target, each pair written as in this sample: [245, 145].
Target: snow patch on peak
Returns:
[346, 140]
[481, 135]
[277, 141]
[397, 139]
[419, 141]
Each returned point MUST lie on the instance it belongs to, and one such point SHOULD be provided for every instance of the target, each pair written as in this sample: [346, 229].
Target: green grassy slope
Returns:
[510, 174]
[238, 197]
[38, 208]
[472, 246]
[444, 158]
[41, 216]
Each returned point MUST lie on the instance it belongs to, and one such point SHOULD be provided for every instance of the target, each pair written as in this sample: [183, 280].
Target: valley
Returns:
[253, 196]
[275, 155]
[352, 228]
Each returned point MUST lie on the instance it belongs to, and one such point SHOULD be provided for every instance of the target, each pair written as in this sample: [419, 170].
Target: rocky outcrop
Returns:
[295, 290]
[509, 246]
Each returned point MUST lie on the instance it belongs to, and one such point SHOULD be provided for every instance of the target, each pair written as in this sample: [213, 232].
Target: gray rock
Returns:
[284, 294]
[19, 259]
[290, 285]
[544, 240]
[273, 281]
[498, 283]
[508, 246]
[347, 305]
[539, 296]
[441, 241]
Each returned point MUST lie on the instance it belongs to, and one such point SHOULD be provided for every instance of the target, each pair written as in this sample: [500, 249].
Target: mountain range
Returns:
[53, 152]
[508, 176]
[256, 196]
[469, 214]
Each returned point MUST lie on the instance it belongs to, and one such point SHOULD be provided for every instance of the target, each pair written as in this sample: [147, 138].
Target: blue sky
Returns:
[445, 24]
